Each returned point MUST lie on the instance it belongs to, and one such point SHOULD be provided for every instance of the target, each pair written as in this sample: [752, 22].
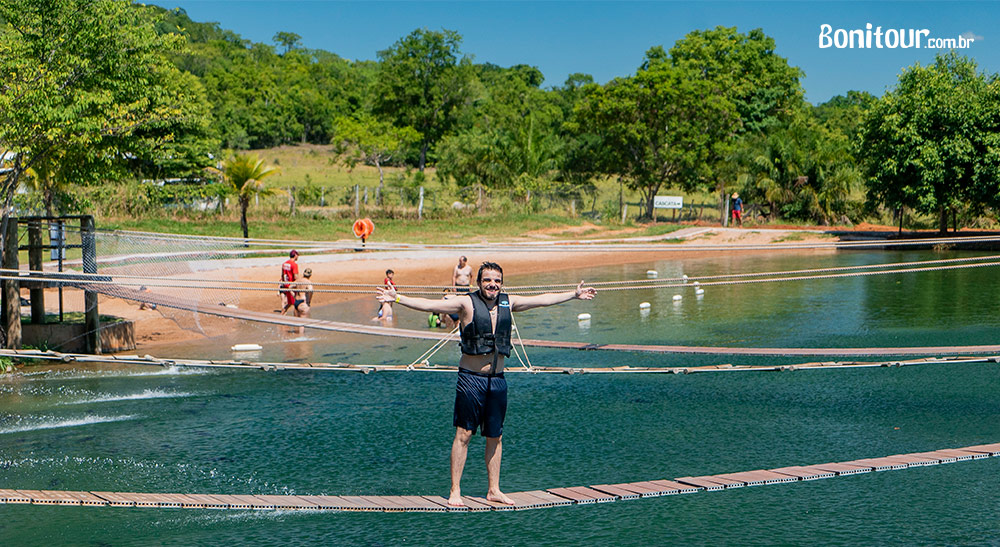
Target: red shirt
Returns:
[289, 270]
[388, 283]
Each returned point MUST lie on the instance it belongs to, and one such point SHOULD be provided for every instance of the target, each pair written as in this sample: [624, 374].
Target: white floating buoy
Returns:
[696, 283]
[247, 347]
[685, 277]
[699, 291]
[644, 306]
[583, 317]
[652, 273]
[677, 297]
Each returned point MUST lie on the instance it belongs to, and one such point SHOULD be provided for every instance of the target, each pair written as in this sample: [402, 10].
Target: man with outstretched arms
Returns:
[481, 393]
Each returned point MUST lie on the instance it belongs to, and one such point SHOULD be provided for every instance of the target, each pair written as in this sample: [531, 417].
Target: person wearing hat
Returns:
[289, 273]
[737, 209]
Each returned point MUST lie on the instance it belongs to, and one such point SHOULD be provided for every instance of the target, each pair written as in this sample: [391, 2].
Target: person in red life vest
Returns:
[481, 392]
[289, 273]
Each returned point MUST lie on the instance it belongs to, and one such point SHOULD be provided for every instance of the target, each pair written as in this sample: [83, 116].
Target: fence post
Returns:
[420, 206]
[624, 212]
[92, 318]
[291, 200]
[322, 196]
[37, 292]
[572, 208]
[11, 314]
[357, 201]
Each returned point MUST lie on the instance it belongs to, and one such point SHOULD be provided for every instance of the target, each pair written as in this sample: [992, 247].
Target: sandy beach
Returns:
[153, 328]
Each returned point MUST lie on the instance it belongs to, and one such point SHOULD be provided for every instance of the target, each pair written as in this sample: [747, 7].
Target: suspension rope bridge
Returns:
[532, 499]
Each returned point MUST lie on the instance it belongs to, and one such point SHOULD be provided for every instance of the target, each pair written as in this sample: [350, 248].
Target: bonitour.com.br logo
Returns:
[891, 38]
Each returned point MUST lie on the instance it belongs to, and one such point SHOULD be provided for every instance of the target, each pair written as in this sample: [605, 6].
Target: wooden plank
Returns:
[444, 503]
[383, 502]
[39, 497]
[965, 454]
[993, 449]
[59, 497]
[644, 490]
[728, 483]
[329, 503]
[550, 499]
[477, 504]
[668, 487]
[878, 464]
[114, 499]
[523, 501]
[362, 504]
[616, 491]
[914, 460]
[423, 504]
[13, 496]
[601, 497]
[701, 482]
[943, 458]
[759, 477]
[207, 501]
[86, 498]
[843, 468]
[495, 505]
[576, 497]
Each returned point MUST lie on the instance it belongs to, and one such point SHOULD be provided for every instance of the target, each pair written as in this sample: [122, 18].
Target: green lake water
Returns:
[302, 432]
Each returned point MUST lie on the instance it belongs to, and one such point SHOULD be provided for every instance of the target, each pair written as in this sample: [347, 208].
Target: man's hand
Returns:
[585, 293]
[387, 294]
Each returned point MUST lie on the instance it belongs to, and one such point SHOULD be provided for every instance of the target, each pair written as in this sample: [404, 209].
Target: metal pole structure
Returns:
[92, 318]
[10, 316]
[37, 291]
[61, 249]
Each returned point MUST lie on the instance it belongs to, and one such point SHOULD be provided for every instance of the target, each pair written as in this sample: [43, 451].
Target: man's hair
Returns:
[462, 259]
[293, 254]
[488, 266]
[387, 272]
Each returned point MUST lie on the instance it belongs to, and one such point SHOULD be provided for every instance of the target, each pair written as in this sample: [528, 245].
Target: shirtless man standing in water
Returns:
[481, 393]
[461, 277]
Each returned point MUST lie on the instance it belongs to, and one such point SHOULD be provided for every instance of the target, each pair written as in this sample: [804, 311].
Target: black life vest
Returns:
[478, 337]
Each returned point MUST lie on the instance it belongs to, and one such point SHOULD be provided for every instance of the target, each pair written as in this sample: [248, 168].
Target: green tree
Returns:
[423, 79]
[761, 85]
[658, 127]
[365, 139]
[77, 79]
[931, 143]
[243, 176]
[288, 40]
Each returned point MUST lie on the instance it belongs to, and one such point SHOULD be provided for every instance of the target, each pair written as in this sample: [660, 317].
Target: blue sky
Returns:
[607, 39]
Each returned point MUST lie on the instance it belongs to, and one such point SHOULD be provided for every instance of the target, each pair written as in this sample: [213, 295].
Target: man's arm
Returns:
[521, 303]
[453, 305]
[454, 277]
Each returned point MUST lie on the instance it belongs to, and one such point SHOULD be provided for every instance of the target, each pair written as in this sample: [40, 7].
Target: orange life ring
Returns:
[363, 227]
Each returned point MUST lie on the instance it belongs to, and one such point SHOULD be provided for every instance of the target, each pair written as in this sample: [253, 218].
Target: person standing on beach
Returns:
[289, 273]
[481, 391]
[737, 209]
[461, 277]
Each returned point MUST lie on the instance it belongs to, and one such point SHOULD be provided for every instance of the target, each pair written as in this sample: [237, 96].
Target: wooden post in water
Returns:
[10, 316]
[92, 318]
[37, 293]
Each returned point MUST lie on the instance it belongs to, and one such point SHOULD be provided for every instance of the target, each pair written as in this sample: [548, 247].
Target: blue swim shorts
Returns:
[480, 402]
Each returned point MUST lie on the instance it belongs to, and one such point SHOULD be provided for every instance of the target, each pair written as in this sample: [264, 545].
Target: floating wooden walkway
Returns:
[320, 324]
[533, 499]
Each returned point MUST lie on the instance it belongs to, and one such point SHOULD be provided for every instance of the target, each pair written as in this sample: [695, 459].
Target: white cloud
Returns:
[969, 34]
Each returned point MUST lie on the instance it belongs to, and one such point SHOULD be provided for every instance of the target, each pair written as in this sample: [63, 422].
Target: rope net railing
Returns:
[223, 287]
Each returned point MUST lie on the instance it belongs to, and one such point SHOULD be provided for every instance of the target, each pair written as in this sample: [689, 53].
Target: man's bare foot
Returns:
[455, 500]
[499, 497]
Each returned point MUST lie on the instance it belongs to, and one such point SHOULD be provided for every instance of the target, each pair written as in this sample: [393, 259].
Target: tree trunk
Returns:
[423, 155]
[381, 181]
[244, 204]
[943, 220]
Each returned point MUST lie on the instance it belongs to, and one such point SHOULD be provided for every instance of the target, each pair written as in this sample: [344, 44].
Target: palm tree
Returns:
[243, 175]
